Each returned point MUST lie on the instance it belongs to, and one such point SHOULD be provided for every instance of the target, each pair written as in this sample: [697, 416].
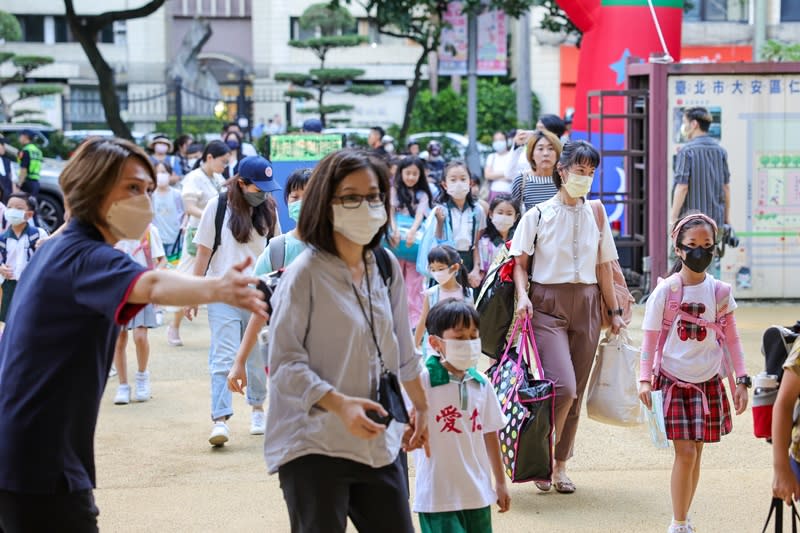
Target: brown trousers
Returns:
[566, 326]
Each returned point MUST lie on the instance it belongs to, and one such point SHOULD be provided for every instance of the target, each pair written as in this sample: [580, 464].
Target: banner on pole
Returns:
[492, 43]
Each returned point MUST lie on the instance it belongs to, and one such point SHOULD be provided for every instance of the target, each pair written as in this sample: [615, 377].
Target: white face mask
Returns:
[442, 276]
[191, 162]
[503, 222]
[15, 216]
[463, 355]
[578, 186]
[360, 224]
[499, 146]
[129, 218]
[162, 179]
[160, 148]
[458, 190]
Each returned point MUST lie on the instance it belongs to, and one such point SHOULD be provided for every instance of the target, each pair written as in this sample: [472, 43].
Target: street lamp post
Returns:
[473, 157]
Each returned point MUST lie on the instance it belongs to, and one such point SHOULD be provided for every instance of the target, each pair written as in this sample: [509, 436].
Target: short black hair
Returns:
[380, 131]
[30, 201]
[576, 153]
[553, 124]
[701, 115]
[451, 313]
[296, 181]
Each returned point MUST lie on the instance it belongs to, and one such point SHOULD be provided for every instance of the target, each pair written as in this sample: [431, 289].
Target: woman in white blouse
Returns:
[198, 187]
[561, 238]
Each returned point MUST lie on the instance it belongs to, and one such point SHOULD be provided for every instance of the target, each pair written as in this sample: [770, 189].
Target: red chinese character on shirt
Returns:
[449, 415]
[476, 426]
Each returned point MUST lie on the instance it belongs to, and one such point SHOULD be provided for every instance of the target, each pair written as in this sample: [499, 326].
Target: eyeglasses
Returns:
[353, 201]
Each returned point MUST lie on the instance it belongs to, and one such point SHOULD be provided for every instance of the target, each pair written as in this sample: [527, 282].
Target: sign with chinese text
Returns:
[756, 118]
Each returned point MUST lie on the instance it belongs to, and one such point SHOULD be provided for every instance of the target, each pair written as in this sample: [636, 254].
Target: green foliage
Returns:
[328, 17]
[59, 146]
[336, 26]
[29, 63]
[194, 126]
[297, 93]
[10, 30]
[293, 77]
[447, 111]
[777, 51]
[335, 75]
[326, 109]
[5, 56]
[556, 21]
[30, 90]
[366, 90]
[333, 41]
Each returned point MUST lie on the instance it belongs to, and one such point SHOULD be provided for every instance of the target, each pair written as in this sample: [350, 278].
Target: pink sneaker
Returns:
[173, 337]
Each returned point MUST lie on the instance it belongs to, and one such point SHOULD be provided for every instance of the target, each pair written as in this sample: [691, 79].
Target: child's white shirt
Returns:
[133, 247]
[458, 474]
[690, 360]
[17, 250]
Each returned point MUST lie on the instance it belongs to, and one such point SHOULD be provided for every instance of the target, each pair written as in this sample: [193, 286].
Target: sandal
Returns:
[543, 486]
[565, 486]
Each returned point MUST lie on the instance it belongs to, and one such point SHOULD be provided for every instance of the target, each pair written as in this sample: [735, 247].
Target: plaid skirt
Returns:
[684, 415]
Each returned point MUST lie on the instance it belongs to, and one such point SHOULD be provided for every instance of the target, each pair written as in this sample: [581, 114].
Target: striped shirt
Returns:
[702, 164]
[536, 190]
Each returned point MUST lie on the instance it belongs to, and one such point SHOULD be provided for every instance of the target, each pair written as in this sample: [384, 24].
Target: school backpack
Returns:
[625, 299]
[776, 345]
[33, 237]
[672, 310]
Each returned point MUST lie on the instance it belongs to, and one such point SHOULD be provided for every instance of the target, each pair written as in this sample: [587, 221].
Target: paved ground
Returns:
[157, 473]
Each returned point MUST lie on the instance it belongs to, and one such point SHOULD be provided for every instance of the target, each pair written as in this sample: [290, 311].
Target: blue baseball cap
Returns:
[313, 125]
[258, 170]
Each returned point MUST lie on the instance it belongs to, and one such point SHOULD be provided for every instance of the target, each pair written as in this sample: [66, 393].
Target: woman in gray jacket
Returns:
[334, 319]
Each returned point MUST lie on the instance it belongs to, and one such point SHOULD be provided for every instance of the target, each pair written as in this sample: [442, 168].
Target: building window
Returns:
[299, 34]
[717, 11]
[790, 11]
[106, 35]
[63, 35]
[32, 28]
[211, 8]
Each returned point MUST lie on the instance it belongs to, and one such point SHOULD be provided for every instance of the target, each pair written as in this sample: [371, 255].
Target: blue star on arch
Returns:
[619, 66]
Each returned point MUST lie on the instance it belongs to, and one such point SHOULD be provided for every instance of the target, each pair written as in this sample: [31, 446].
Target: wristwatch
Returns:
[615, 312]
[744, 380]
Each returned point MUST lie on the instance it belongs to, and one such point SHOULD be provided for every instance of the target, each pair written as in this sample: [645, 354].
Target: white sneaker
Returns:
[258, 423]
[219, 434]
[143, 386]
[679, 528]
[112, 372]
[123, 395]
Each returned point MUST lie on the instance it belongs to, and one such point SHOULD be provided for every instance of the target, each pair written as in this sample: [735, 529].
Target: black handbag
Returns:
[776, 507]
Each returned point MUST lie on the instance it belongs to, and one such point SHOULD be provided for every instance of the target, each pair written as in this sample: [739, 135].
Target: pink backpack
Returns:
[672, 310]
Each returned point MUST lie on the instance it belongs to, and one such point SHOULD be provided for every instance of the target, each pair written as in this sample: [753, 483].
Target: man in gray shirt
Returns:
[702, 178]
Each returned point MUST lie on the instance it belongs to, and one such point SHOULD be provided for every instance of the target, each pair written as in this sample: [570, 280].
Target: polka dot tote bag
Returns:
[526, 442]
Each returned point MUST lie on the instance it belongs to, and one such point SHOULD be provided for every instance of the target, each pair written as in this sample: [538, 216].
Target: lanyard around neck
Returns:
[371, 318]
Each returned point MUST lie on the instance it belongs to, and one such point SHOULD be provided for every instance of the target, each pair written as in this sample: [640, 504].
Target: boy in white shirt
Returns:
[453, 485]
[17, 244]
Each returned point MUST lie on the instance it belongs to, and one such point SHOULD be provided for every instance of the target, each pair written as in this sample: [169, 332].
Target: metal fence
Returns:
[155, 103]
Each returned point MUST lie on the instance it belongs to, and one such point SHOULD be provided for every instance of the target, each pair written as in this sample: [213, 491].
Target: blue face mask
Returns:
[233, 144]
[294, 210]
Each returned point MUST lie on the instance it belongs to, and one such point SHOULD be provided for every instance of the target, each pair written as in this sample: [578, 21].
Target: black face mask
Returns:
[698, 259]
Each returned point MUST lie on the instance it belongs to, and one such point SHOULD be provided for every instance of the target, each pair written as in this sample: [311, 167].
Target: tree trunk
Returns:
[413, 91]
[85, 29]
[85, 33]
